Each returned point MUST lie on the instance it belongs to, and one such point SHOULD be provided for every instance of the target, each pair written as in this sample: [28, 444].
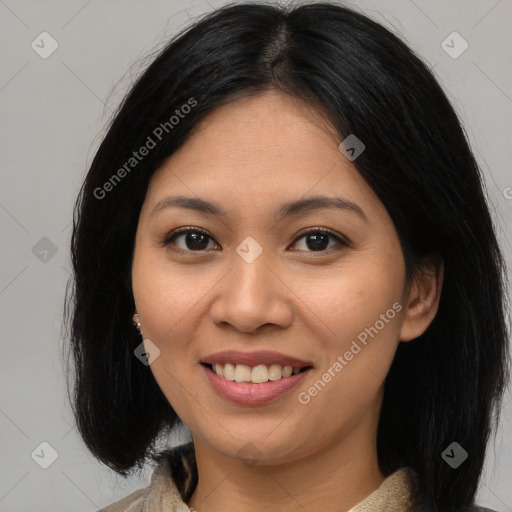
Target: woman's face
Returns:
[249, 279]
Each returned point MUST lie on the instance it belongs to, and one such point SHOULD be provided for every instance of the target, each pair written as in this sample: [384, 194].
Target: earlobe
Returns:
[423, 299]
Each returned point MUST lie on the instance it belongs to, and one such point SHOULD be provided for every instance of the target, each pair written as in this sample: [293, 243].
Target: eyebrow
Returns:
[290, 209]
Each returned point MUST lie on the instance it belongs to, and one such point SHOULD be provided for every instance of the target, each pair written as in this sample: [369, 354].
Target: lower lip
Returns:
[250, 393]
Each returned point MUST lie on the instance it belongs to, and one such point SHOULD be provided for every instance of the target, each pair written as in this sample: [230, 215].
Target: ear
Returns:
[423, 299]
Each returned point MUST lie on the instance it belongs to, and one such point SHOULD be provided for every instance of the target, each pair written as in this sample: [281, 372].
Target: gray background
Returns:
[53, 113]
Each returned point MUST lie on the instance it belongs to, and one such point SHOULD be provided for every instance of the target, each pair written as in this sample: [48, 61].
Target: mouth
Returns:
[254, 385]
[256, 374]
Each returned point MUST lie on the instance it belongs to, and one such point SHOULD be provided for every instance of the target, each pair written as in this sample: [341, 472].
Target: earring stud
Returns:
[136, 324]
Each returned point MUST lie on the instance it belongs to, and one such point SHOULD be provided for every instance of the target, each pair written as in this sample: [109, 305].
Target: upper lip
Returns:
[254, 358]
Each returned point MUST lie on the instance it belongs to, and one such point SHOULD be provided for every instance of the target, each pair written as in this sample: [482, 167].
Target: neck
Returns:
[335, 477]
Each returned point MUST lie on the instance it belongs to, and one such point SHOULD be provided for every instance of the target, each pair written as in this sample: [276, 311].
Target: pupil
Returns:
[320, 241]
[193, 241]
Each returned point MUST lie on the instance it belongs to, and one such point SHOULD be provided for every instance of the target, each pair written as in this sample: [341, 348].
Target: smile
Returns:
[248, 392]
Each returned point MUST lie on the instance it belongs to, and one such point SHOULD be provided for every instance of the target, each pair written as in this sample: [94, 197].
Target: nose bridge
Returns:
[250, 285]
[251, 295]
[250, 267]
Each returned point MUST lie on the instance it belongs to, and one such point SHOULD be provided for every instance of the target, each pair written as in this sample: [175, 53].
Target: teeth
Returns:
[256, 374]
[275, 372]
[242, 373]
[229, 371]
[218, 369]
[259, 374]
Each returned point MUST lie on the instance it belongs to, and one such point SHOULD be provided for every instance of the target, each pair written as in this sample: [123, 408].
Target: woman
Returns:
[283, 243]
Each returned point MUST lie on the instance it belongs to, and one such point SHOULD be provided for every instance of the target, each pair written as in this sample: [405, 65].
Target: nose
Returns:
[252, 295]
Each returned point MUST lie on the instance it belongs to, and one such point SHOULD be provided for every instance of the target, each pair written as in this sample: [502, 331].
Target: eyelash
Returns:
[191, 229]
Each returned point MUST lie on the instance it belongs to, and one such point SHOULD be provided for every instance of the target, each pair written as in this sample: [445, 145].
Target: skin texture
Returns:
[250, 156]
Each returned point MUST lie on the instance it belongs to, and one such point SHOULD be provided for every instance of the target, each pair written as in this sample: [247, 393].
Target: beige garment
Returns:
[163, 495]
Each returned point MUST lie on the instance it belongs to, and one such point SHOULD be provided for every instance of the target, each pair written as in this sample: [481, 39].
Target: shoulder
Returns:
[173, 481]
[131, 503]
[137, 500]
[409, 475]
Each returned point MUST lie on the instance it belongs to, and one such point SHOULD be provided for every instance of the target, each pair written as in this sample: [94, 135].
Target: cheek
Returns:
[165, 295]
[164, 301]
[358, 312]
[160, 309]
[352, 298]
[362, 312]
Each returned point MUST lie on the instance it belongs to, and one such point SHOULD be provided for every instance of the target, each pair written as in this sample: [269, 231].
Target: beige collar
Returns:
[174, 479]
[395, 493]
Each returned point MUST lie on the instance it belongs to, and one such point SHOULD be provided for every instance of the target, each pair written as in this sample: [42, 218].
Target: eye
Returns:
[317, 239]
[196, 239]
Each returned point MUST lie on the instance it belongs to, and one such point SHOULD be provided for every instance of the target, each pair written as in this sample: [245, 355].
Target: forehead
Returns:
[259, 150]
[265, 121]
